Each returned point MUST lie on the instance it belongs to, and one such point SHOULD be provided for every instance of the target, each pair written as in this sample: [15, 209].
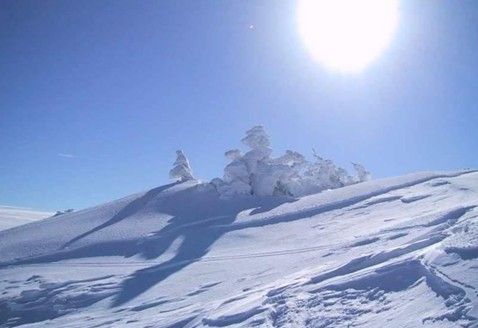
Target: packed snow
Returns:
[13, 216]
[397, 252]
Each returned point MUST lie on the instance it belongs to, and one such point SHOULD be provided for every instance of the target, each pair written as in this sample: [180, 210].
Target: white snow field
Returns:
[397, 252]
[13, 216]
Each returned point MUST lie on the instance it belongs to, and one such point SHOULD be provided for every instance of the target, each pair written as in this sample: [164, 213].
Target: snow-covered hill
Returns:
[398, 252]
[13, 216]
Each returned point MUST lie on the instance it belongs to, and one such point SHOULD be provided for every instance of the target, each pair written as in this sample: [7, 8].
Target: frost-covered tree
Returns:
[256, 138]
[291, 158]
[362, 173]
[264, 172]
[265, 178]
[257, 173]
[182, 169]
[236, 170]
[324, 174]
[344, 178]
[258, 142]
[233, 154]
[241, 174]
[236, 175]
[287, 173]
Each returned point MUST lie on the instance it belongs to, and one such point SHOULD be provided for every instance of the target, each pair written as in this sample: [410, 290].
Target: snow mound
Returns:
[398, 252]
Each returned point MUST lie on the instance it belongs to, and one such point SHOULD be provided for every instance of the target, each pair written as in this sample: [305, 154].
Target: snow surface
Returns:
[13, 216]
[398, 252]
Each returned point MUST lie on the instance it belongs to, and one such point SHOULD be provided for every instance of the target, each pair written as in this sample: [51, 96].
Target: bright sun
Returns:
[347, 35]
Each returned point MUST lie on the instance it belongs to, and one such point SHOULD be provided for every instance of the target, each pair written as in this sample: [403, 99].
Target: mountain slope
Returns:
[400, 252]
[12, 216]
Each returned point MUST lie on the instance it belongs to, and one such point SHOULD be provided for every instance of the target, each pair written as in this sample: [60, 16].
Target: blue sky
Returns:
[97, 95]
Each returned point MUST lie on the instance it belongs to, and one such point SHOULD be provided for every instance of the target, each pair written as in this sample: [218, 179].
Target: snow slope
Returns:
[398, 252]
[12, 216]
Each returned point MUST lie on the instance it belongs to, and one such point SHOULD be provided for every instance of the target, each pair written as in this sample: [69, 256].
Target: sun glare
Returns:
[347, 35]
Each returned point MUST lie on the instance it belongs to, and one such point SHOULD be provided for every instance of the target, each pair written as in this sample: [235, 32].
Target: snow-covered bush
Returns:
[256, 173]
[182, 170]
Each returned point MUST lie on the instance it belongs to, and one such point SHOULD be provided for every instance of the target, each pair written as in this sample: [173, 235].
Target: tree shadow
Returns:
[196, 243]
[193, 210]
[197, 225]
[130, 209]
[198, 216]
[200, 233]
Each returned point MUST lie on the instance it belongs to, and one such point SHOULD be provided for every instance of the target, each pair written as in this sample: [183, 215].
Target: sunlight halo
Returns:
[347, 35]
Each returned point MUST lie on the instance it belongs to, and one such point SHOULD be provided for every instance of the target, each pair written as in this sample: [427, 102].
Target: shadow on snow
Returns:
[199, 217]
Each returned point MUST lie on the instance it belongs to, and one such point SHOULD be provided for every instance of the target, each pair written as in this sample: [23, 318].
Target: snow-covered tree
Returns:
[362, 173]
[256, 138]
[233, 154]
[324, 174]
[236, 175]
[286, 172]
[236, 179]
[236, 170]
[257, 173]
[344, 178]
[265, 177]
[258, 142]
[291, 158]
[240, 175]
[182, 170]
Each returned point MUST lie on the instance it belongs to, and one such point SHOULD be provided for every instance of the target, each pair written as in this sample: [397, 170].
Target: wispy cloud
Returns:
[66, 155]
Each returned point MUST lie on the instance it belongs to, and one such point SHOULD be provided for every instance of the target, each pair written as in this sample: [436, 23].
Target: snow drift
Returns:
[398, 252]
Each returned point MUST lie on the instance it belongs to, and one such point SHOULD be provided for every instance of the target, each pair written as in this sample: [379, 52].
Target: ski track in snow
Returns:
[399, 252]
